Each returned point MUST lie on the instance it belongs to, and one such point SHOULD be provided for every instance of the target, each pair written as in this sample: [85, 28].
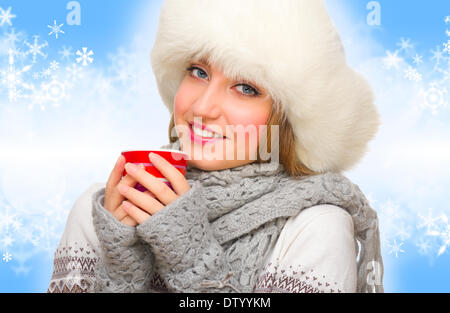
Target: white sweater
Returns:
[316, 252]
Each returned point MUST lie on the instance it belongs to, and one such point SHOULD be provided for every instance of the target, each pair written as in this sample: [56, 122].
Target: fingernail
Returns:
[153, 156]
[131, 168]
[119, 159]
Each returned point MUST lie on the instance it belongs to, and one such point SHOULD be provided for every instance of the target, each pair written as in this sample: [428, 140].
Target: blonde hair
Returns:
[287, 155]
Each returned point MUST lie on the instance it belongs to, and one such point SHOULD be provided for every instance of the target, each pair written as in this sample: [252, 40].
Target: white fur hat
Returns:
[291, 49]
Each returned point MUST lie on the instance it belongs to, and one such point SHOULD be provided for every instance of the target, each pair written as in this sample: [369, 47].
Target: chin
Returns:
[212, 165]
[215, 165]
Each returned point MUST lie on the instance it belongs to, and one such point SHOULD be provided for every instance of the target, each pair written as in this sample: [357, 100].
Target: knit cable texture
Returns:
[218, 235]
[125, 258]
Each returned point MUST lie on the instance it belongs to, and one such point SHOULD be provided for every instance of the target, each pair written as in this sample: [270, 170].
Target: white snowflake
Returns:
[438, 227]
[429, 221]
[46, 73]
[7, 240]
[442, 232]
[54, 65]
[12, 78]
[37, 98]
[390, 211]
[7, 257]
[447, 46]
[85, 56]
[9, 222]
[412, 74]
[396, 248]
[437, 55]
[447, 19]
[55, 91]
[405, 44]
[424, 246]
[55, 29]
[434, 97]
[35, 49]
[6, 16]
[74, 72]
[66, 53]
[12, 37]
[392, 60]
[417, 59]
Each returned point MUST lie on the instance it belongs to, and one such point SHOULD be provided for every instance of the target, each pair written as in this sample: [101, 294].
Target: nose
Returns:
[209, 103]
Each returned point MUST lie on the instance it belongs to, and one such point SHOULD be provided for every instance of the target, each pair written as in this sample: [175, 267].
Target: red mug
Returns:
[177, 158]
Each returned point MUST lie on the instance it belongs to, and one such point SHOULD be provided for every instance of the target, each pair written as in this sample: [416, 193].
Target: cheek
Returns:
[248, 119]
[183, 99]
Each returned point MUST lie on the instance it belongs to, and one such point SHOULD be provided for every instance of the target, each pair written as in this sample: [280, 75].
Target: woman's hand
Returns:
[113, 198]
[142, 205]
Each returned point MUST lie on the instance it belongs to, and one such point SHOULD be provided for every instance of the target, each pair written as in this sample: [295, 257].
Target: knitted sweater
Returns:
[234, 222]
[304, 259]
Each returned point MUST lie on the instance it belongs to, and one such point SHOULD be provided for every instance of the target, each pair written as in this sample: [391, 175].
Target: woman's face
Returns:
[232, 110]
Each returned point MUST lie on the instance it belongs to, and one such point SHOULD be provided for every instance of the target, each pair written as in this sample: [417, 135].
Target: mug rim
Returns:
[161, 150]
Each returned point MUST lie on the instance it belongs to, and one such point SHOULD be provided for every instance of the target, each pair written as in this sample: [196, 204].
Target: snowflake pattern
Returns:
[405, 44]
[12, 78]
[424, 246]
[35, 49]
[417, 59]
[24, 78]
[447, 46]
[6, 16]
[55, 29]
[412, 74]
[396, 248]
[434, 98]
[66, 53]
[392, 60]
[433, 87]
[54, 65]
[85, 57]
[7, 257]
[438, 56]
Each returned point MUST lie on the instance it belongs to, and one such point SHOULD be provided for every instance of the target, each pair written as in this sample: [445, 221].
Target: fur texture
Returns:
[290, 48]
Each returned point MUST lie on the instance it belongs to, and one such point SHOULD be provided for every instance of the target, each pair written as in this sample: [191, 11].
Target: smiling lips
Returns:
[200, 139]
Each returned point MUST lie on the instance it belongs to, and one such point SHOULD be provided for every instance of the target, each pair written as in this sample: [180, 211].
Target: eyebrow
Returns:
[204, 61]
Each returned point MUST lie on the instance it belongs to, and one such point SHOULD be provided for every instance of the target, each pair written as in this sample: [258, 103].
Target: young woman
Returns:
[291, 223]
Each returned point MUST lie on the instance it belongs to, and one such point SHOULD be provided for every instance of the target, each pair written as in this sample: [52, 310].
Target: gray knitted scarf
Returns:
[246, 209]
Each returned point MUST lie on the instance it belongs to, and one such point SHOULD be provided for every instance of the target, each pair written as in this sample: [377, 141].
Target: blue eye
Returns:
[246, 88]
[193, 68]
